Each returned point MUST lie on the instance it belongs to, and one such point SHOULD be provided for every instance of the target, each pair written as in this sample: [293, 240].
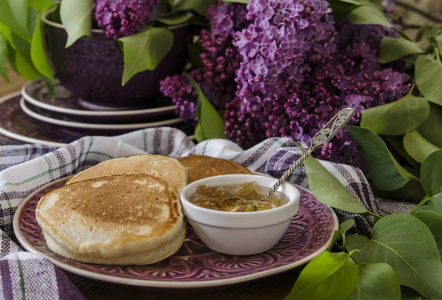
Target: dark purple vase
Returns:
[92, 68]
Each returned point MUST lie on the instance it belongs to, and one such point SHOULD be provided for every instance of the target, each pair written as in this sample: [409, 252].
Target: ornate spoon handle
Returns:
[320, 139]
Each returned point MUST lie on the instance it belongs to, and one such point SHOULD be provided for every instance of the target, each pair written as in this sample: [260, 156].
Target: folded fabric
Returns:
[25, 168]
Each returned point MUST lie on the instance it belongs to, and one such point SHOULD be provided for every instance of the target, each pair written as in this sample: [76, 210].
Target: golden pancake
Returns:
[201, 166]
[167, 168]
[119, 219]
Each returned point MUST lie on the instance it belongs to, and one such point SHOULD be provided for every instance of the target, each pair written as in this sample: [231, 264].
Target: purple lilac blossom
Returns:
[220, 59]
[118, 18]
[294, 69]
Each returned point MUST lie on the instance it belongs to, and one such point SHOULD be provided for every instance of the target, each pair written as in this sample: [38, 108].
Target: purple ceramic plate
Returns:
[195, 265]
[14, 123]
[65, 103]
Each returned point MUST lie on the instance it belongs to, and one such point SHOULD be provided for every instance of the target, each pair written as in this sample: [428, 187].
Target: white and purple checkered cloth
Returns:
[25, 168]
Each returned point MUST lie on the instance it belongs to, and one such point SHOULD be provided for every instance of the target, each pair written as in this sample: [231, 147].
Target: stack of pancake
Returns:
[124, 210]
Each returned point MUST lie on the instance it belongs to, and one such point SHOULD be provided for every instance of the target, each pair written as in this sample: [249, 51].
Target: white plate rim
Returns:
[91, 113]
[82, 125]
[164, 284]
[20, 137]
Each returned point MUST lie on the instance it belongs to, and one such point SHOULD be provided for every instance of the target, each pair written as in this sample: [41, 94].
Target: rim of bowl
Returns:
[295, 200]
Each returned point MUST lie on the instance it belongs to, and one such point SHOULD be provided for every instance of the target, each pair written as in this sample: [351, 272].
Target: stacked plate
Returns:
[33, 116]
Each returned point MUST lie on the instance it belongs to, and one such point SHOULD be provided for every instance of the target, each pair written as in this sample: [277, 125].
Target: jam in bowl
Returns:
[241, 226]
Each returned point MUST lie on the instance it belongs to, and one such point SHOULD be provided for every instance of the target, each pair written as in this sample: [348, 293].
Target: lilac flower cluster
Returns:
[118, 18]
[296, 68]
[220, 60]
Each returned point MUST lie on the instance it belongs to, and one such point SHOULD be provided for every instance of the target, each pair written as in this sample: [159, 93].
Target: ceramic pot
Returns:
[92, 68]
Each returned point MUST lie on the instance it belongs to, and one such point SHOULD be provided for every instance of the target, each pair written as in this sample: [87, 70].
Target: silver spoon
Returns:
[320, 139]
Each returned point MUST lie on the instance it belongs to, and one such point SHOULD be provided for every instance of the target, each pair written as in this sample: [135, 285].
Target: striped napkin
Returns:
[25, 168]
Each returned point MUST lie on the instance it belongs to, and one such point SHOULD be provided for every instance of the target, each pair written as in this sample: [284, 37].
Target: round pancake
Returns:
[119, 219]
[167, 168]
[201, 166]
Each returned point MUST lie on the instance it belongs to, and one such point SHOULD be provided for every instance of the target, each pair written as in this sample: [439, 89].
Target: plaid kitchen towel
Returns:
[25, 168]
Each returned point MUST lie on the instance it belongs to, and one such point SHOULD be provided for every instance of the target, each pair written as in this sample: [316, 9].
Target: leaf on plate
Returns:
[328, 276]
[145, 50]
[392, 49]
[397, 117]
[428, 75]
[407, 245]
[387, 174]
[431, 173]
[76, 17]
[210, 124]
[329, 190]
[377, 281]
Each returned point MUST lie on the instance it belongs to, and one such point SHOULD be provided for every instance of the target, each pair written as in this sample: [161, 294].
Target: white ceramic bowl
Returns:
[240, 233]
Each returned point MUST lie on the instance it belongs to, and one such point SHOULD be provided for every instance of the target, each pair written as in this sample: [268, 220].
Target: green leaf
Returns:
[431, 173]
[38, 54]
[434, 204]
[428, 75]
[199, 133]
[329, 190]
[377, 281]
[199, 6]
[237, 1]
[40, 5]
[417, 146]
[338, 234]
[397, 142]
[76, 17]
[387, 174]
[396, 118]
[346, 225]
[439, 43]
[3, 58]
[341, 9]
[412, 191]
[328, 276]
[392, 49]
[210, 123]
[430, 128]
[22, 58]
[368, 14]
[409, 294]
[12, 14]
[407, 245]
[433, 220]
[175, 19]
[145, 50]
[24, 68]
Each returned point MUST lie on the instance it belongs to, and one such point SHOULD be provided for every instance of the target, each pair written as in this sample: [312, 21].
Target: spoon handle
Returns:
[320, 139]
